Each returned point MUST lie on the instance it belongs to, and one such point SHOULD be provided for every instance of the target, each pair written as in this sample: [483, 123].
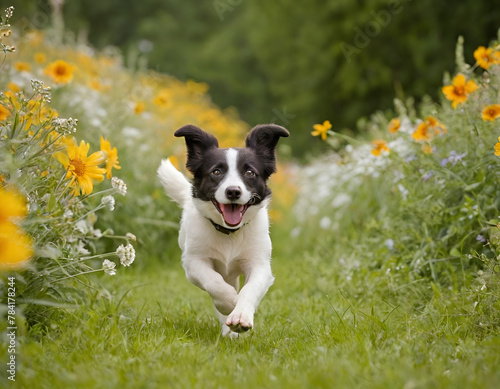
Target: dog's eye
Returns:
[250, 173]
[216, 172]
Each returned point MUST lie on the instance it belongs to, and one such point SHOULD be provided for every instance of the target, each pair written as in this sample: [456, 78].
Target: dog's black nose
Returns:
[233, 192]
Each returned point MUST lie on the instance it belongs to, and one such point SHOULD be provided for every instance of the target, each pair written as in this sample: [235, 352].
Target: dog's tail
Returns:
[176, 185]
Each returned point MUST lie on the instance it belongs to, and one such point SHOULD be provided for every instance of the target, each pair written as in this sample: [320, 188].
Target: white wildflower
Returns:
[9, 12]
[325, 222]
[96, 232]
[398, 176]
[46, 198]
[119, 185]
[131, 136]
[295, 233]
[109, 267]
[126, 254]
[80, 248]
[404, 191]
[407, 126]
[341, 200]
[131, 236]
[41, 89]
[108, 201]
[82, 226]
[65, 126]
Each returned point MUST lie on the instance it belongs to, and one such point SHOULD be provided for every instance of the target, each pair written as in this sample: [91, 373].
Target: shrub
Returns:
[421, 200]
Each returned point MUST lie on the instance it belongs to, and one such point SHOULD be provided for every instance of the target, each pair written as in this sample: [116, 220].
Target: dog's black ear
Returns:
[197, 143]
[263, 139]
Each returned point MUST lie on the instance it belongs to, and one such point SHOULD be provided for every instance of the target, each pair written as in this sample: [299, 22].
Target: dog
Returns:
[224, 230]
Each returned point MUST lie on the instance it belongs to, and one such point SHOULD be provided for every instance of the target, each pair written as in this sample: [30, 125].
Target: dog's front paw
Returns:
[239, 321]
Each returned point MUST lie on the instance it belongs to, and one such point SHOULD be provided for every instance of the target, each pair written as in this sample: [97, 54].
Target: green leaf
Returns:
[471, 187]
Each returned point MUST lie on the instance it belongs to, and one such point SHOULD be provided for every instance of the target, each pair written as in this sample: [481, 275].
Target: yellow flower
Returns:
[486, 57]
[60, 71]
[12, 96]
[95, 84]
[13, 87]
[197, 87]
[427, 149]
[321, 129]
[379, 146]
[436, 125]
[62, 142]
[497, 148]
[15, 246]
[82, 170]
[22, 66]
[4, 113]
[139, 108]
[175, 161]
[162, 99]
[421, 134]
[491, 112]
[428, 129]
[394, 125]
[459, 90]
[12, 206]
[112, 157]
[40, 58]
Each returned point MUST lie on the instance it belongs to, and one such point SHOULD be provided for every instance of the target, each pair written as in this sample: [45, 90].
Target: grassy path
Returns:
[309, 333]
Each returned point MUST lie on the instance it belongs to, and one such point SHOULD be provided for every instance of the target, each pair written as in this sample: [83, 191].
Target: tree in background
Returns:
[341, 60]
[293, 62]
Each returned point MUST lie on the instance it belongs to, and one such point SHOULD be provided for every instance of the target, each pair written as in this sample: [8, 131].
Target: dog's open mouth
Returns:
[232, 213]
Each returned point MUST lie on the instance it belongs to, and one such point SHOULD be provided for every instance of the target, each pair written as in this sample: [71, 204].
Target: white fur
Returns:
[176, 185]
[214, 261]
[232, 179]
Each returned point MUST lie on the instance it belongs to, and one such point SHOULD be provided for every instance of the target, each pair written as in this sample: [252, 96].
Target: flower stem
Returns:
[347, 138]
[76, 275]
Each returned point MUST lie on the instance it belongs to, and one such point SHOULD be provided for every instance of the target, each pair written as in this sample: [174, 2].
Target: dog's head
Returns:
[229, 182]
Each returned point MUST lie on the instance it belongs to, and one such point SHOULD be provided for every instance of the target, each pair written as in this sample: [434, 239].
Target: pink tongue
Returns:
[232, 213]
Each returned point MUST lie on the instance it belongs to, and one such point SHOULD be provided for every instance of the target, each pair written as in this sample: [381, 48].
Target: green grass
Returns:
[315, 328]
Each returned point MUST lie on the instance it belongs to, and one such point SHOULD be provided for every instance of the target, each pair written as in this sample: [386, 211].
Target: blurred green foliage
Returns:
[296, 63]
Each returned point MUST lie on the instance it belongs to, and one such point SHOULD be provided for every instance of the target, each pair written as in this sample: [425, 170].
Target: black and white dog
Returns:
[225, 226]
